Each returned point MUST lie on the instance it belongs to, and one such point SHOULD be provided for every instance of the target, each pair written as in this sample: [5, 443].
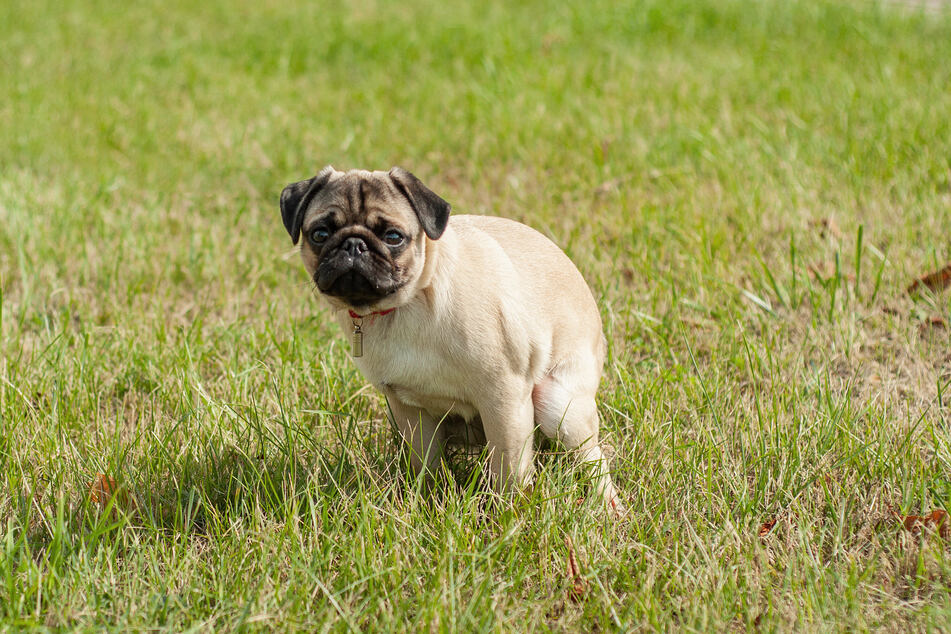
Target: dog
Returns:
[477, 318]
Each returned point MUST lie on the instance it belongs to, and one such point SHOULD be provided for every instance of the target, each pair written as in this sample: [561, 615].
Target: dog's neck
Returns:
[424, 286]
[432, 248]
[354, 315]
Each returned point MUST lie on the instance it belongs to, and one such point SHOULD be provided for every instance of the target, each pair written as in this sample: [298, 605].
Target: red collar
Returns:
[353, 315]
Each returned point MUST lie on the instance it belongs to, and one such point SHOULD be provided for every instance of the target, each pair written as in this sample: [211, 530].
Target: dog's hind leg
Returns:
[566, 410]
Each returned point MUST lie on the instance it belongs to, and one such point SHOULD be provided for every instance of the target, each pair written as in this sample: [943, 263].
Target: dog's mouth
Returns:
[354, 280]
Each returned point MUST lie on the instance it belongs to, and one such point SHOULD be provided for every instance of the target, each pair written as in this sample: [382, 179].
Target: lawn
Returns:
[748, 187]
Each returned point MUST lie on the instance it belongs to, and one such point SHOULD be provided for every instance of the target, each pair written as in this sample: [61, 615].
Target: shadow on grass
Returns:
[264, 477]
[283, 477]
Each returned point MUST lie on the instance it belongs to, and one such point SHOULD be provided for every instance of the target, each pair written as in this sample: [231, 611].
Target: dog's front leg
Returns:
[421, 432]
[509, 423]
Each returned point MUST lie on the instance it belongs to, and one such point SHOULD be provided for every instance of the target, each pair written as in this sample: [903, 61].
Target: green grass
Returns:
[156, 326]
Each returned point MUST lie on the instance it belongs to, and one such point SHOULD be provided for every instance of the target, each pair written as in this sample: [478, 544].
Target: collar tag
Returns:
[356, 338]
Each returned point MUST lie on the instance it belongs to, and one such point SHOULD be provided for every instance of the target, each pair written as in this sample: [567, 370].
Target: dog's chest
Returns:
[436, 405]
[418, 375]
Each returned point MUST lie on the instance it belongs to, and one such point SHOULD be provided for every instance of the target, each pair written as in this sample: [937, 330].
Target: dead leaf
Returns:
[932, 323]
[936, 520]
[578, 585]
[936, 281]
[767, 526]
[101, 488]
[104, 489]
[827, 227]
[939, 518]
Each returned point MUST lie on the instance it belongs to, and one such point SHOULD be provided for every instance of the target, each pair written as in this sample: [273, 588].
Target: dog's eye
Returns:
[393, 238]
[319, 234]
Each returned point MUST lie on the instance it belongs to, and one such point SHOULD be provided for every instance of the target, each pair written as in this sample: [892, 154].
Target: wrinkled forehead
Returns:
[359, 194]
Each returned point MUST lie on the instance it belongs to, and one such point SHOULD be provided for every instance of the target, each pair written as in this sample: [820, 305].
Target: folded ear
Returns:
[431, 210]
[296, 197]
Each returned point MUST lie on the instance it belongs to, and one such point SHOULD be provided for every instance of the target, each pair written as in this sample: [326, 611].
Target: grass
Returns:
[748, 187]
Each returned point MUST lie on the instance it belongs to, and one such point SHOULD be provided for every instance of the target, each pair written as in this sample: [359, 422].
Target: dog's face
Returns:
[363, 233]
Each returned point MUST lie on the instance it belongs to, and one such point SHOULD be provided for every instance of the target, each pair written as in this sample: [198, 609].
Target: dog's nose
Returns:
[354, 246]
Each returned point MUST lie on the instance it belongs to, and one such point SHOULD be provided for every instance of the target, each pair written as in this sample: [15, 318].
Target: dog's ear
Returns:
[296, 197]
[431, 210]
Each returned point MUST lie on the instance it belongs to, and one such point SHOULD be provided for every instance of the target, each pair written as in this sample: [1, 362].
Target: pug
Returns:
[466, 318]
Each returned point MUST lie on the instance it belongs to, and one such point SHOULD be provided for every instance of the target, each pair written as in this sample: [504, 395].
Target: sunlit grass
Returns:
[748, 187]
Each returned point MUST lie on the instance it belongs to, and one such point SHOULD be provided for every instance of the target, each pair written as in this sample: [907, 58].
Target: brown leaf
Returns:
[935, 281]
[104, 490]
[101, 488]
[939, 518]
[827, 227]
[932, 323]
[937, 521]
[767, 526]
[578, 585]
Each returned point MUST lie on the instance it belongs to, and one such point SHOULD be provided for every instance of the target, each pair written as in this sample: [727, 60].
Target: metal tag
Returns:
[356, 340]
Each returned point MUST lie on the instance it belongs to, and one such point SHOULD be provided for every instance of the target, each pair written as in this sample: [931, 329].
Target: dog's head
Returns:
[364, 233]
